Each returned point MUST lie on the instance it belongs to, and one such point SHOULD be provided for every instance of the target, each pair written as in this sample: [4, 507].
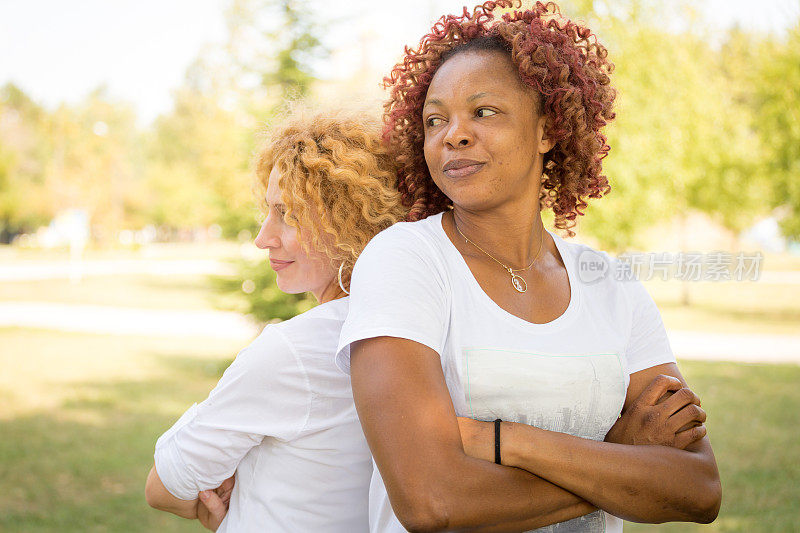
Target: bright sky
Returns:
[59, 51]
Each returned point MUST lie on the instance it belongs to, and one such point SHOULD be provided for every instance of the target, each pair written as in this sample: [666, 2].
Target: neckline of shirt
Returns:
[559, 322]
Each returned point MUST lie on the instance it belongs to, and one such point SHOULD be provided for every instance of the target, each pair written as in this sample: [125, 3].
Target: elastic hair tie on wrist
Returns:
[497, 459]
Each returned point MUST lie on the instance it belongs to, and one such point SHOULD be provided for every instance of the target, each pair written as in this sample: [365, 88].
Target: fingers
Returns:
[680, 399]
[691, 415]
[225, 489]
[228, 484]
[691, 435]
[215, 506]
[657, 388]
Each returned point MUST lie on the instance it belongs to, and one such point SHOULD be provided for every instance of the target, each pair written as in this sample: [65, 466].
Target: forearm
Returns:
[465, 493]
[637, 483]
[412, 430]
[160, 498]
[562, 515]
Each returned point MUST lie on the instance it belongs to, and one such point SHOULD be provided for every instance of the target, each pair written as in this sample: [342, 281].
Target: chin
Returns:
[288, 287]
[467, 195]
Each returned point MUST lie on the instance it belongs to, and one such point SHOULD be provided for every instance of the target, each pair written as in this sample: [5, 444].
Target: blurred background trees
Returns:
[706, 123]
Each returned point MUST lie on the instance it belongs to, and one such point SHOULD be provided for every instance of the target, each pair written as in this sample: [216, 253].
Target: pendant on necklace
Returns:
[519, 283]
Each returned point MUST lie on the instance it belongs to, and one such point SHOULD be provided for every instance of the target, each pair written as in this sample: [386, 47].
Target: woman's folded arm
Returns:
[641, 483]
[433, 485]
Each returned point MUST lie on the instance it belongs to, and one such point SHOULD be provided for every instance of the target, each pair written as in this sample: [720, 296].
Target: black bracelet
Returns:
[497, 441]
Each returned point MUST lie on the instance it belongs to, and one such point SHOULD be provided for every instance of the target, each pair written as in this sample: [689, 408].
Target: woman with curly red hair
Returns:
[471, 312]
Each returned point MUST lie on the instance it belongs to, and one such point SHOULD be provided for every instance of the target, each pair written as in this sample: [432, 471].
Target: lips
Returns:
[458, 168]
[277, 264]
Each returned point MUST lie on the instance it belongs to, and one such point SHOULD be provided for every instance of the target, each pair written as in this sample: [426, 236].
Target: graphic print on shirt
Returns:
[580, 395]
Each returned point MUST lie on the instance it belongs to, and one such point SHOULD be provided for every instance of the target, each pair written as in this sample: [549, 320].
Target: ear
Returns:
[544, 143]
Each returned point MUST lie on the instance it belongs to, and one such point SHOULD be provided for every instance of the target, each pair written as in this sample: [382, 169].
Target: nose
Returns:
[458, 134]
[268, 236]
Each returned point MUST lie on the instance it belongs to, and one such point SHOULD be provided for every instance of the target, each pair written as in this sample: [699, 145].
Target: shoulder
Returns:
[411, 245]
[313, 332]
[329, 313]
[271, 347]
[602, 275]
[405, 237]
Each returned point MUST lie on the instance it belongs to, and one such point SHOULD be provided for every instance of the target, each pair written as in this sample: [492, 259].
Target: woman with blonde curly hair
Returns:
[491, 359]
[282, 415]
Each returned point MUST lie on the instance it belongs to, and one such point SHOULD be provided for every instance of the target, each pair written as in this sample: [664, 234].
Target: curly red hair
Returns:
[562, 60]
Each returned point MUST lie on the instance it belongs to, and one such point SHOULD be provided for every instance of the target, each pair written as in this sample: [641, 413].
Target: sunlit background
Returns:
[128, 279]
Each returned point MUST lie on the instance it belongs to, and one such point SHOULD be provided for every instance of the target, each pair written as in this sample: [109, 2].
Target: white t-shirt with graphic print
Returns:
[568, 375]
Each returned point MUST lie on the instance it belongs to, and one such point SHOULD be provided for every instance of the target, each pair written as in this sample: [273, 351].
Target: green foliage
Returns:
[682, 140]
[198, 169]
[24, 151]
[255, 284]
[706, 123]
[777, 96]
[276, 43]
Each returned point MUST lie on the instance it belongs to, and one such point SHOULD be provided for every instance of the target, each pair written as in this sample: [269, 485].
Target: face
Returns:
[484, 140]
[296, 271]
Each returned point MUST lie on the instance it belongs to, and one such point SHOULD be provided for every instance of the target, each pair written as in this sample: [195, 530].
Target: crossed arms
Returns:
[657, 467]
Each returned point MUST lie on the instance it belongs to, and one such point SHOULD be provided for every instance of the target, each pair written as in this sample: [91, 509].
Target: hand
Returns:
[666, 413]
[477, 438]
[213, 504]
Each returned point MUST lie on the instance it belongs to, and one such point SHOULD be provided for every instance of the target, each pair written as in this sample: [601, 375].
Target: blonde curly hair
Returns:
[337, 180]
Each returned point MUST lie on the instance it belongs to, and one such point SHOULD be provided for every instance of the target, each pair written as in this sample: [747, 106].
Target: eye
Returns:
[485, 112]
[432, 122]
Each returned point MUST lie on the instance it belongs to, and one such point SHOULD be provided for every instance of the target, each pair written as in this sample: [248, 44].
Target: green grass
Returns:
[79, 415]
[729, 307]
[79, 418]
[753, 427]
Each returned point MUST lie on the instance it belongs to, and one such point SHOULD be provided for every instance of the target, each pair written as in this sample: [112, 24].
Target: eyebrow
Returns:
[476, 96]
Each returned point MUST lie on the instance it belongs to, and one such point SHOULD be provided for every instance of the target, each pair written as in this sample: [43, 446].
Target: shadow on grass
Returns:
[82, 467]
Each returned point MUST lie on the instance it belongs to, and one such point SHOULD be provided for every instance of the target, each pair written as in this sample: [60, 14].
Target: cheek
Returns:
[428, 152]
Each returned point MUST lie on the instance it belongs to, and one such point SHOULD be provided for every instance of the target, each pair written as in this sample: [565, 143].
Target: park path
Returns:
[113, 320]
[228, 325]
[34, 270]
[221, 324]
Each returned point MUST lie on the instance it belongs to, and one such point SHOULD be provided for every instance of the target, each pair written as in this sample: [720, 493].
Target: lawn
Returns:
[80, 414]
[730, 307]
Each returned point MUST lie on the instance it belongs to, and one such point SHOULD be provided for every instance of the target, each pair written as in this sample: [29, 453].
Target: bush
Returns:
[255, 284]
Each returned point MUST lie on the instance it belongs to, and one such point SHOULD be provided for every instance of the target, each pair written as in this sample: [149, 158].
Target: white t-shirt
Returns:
[568, 375]
[283, 418]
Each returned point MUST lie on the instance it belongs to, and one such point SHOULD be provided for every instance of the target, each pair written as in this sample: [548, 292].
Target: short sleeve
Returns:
[648, 344]
[264, 392]
[398, 289]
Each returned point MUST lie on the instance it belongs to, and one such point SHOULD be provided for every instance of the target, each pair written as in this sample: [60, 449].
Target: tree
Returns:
[777, 95]
[681, 141]
[24, 198]
[274, 43]
[95, 163]
[198, 169]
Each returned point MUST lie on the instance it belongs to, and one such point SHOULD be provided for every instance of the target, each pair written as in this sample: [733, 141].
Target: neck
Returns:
[331, 292]
[513, 236]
